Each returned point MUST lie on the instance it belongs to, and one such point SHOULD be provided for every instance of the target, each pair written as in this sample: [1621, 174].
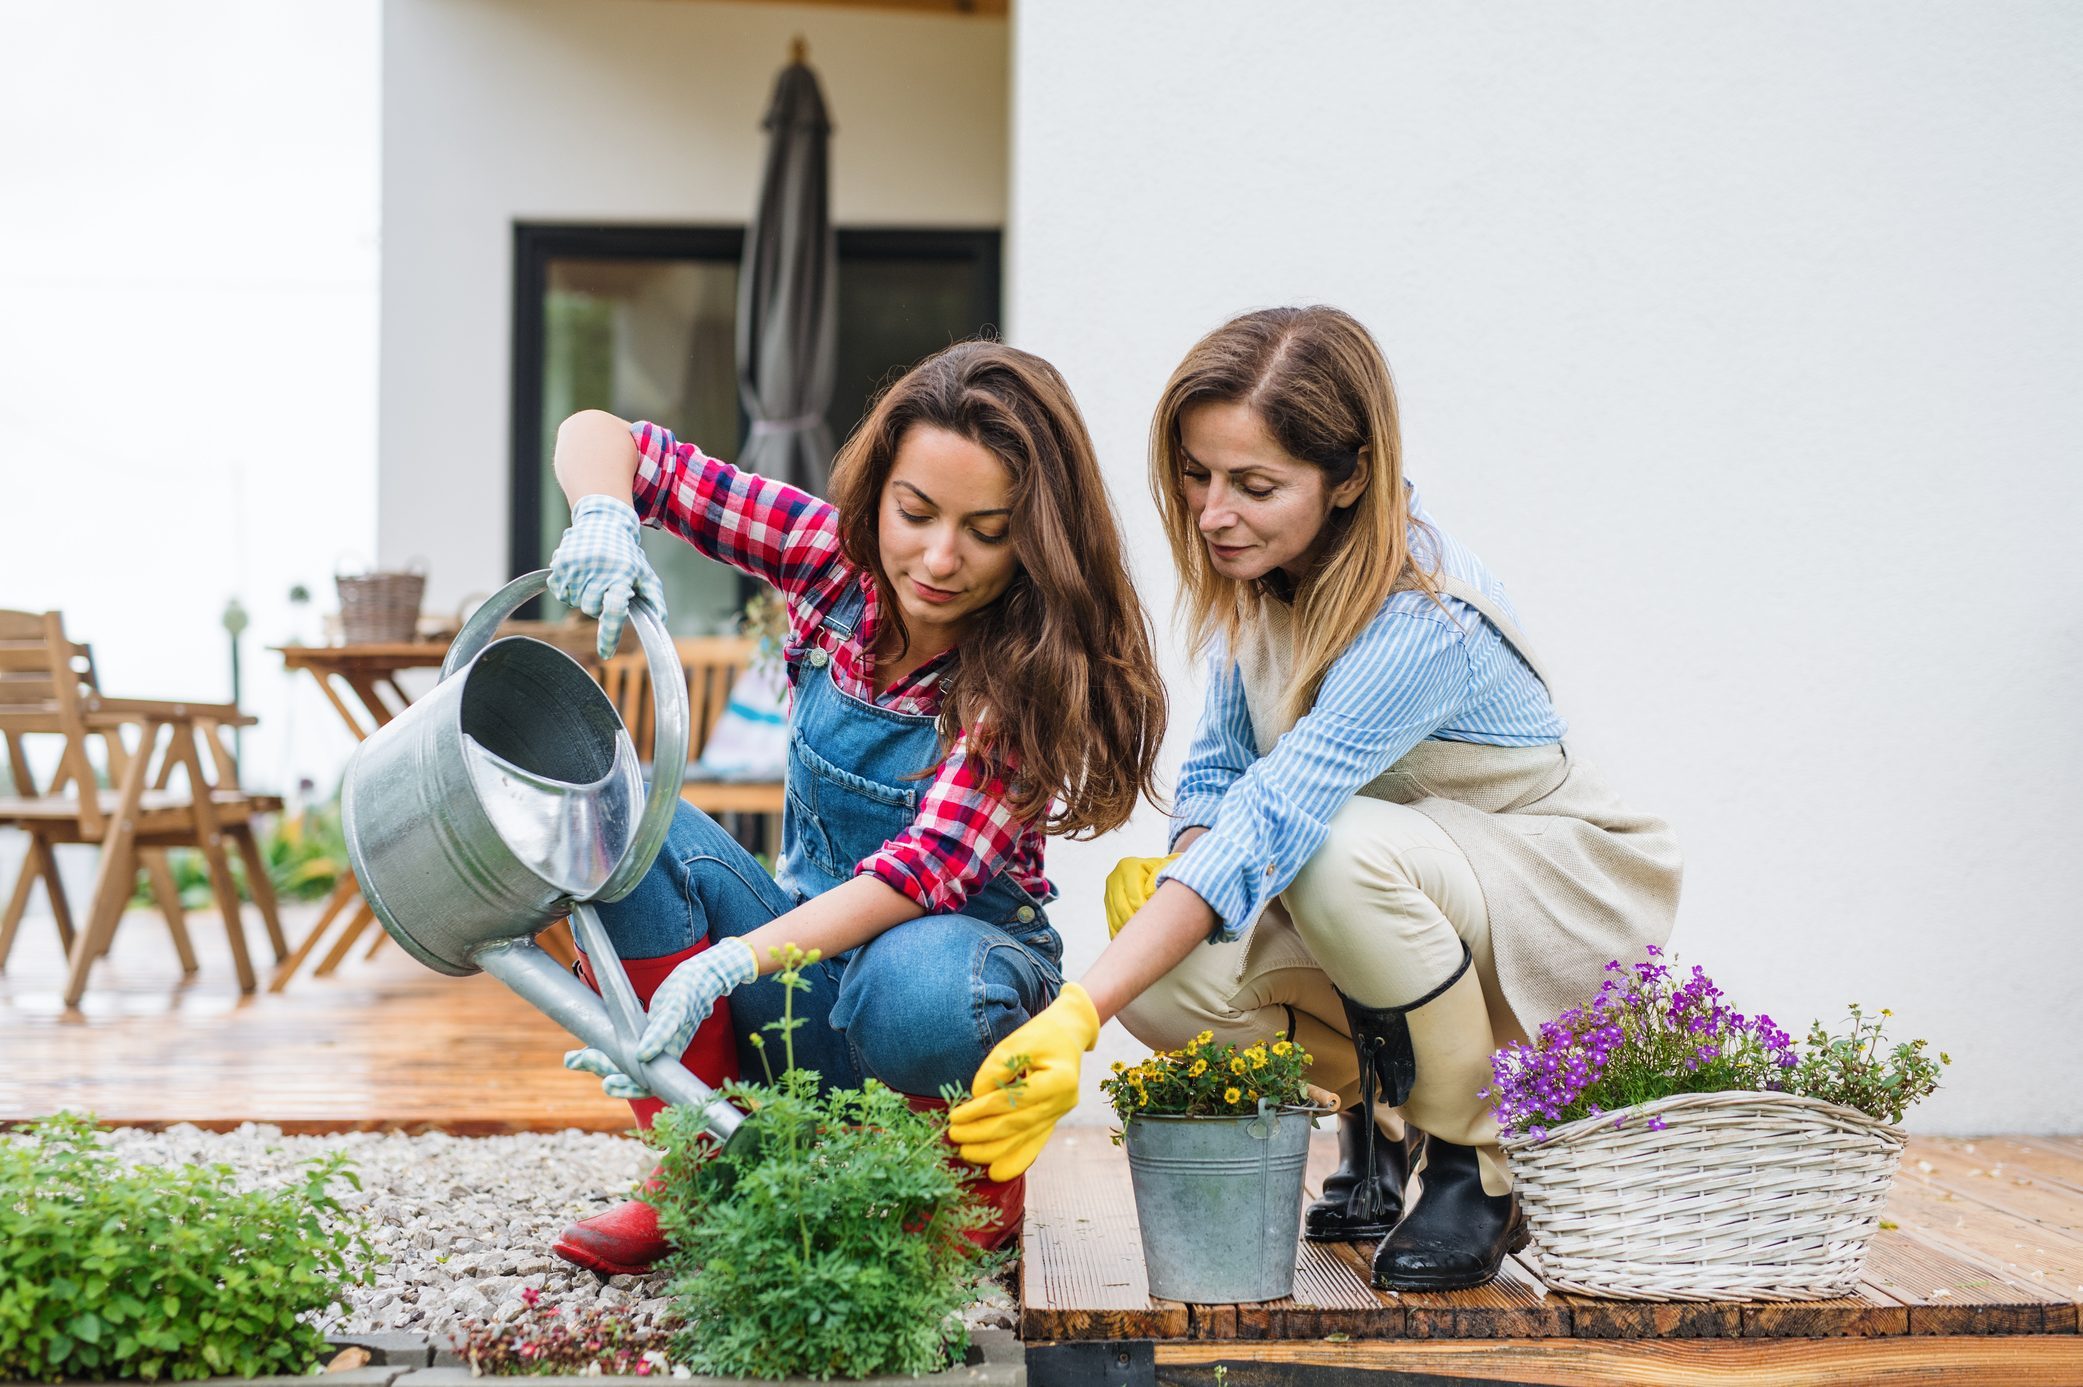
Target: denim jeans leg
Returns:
[703, 884]
[924, 1002]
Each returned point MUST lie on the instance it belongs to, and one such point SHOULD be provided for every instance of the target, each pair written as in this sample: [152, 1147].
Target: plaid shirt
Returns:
[965, 832]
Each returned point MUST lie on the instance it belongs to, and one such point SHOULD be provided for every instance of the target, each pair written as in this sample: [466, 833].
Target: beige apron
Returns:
[1571, 876]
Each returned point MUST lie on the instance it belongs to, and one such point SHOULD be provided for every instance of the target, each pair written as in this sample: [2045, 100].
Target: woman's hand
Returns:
[1129, 886]
[600, 565]
[1025, 1085]
[689, 993]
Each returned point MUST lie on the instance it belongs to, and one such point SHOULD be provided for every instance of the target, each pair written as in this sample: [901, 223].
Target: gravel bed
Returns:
[465, 1222]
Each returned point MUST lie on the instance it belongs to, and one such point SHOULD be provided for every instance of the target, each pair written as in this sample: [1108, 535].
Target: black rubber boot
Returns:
[1453, 1235]
[1363, 1198]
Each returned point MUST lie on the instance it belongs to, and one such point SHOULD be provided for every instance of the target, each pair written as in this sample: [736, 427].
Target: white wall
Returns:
[1743, 341]
[188, 339]
[618, 111]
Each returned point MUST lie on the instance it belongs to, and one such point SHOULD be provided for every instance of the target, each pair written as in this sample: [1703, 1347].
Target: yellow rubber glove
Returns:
[1016, 1106]
[1129, 886]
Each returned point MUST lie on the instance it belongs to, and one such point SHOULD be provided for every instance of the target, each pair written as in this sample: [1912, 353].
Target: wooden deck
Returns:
[1979, 1280]
[384, 1043]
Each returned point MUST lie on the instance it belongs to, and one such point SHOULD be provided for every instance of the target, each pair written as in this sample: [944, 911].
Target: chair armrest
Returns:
[167, 710]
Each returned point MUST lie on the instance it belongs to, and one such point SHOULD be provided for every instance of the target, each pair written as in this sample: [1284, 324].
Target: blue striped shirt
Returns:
[1413, 673]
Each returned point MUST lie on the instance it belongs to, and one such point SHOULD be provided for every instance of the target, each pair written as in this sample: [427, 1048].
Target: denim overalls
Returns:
[920, 1005]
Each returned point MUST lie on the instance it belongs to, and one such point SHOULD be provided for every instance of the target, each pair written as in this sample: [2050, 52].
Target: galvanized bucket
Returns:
[1219, 1202]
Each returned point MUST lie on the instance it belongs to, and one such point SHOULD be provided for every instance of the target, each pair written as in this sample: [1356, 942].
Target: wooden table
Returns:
[368, 674]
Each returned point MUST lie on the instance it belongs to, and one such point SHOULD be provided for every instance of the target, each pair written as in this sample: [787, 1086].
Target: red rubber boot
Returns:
[624, 1240]
[1006, 1199]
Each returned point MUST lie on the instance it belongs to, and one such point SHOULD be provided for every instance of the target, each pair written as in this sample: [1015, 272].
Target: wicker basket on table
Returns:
[379, 607]
[1734, 1196]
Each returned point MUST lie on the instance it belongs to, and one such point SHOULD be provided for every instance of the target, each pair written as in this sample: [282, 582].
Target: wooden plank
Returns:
[393, 1047]
[2051, 1204]
[1867, 1312]
[2036, 1361]
[2048, 1159]
[1945, 1294]
[1331, 1296]
[1081, 1272]
[1514, 1306]
[1969, 1228]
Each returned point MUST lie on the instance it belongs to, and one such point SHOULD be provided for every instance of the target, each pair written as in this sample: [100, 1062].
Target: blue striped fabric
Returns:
[1412, 674]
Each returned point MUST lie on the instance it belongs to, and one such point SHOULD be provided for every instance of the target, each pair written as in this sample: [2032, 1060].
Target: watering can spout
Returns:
[571, 835]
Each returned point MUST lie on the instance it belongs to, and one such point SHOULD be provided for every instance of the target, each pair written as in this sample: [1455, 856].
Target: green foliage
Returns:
[1209, 1080]
[833, 1246]
[113, 1271]
[305, 853]
[1850, 1069]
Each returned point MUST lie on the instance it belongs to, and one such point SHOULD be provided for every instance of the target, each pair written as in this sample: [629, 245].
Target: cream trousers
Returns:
[1380, 913]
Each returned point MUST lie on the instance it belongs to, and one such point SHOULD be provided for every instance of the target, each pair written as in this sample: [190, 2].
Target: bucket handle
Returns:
[669, 701]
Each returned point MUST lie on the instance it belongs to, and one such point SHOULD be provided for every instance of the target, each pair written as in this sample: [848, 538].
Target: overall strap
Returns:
[1468, 592]
[845, 614]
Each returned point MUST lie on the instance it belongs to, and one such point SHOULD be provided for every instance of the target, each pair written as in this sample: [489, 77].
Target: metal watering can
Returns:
[509, 797]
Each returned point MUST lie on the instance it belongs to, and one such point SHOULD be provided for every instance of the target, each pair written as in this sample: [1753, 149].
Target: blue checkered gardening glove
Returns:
[599, 565]
[683, 1001]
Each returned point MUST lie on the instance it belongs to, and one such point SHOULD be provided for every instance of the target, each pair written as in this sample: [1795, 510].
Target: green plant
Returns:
[1209, 1080]
[115, 1271]
[306, 853]
[1850, 1069]
[832, 1246]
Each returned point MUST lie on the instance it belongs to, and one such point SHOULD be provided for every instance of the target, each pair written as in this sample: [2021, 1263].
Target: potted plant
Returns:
[1665, 1146]
[834, 1246]
[1218, 1140]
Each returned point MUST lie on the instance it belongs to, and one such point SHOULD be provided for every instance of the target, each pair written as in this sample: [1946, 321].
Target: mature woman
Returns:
[971, 670]
[1381, 844]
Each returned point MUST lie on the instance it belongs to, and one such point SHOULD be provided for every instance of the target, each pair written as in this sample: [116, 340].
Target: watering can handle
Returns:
[669, 700]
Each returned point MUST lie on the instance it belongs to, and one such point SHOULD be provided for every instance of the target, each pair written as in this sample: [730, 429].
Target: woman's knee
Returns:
[923, 1003]
[702, 884]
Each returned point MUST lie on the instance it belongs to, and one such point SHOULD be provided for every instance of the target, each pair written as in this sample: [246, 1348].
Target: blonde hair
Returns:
[1318, 382]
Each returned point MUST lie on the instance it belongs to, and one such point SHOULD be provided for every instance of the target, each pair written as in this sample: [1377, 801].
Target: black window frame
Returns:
[536, 244]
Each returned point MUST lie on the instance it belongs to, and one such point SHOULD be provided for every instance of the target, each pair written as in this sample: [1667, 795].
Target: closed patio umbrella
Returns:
[788, 301]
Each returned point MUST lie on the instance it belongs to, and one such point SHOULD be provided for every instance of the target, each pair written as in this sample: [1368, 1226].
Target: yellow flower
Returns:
[1200, 1067]
[1236, 1064]
[1119, 1066]
[1205, 1038]
[1308, 1058]
[1283, 1047]
[1258, 1059]
[1229, 1095]
[1253, 1095]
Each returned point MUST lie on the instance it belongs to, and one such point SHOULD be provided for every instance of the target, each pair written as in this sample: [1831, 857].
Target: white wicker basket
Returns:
[1741, 1196]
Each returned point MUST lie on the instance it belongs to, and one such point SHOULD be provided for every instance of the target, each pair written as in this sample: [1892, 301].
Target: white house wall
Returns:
[1742, 340]
[617, 111]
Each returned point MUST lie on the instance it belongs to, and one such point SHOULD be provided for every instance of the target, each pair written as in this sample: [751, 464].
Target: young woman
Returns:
[1381, 845]
[970, 670]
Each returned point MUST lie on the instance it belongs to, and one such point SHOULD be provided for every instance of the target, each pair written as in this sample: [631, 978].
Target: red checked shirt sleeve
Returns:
[753, 523]
[964, 835]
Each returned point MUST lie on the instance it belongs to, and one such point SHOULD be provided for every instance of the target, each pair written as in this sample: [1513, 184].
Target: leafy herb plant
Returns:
[114, 1271]
[833, 1246]
[1209, 1080]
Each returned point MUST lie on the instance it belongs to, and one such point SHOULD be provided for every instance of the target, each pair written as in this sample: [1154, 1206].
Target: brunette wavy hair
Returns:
[1055, 683]
[1317, 380]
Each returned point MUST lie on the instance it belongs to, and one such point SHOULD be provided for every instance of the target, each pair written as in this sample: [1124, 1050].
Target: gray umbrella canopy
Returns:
[788, 298]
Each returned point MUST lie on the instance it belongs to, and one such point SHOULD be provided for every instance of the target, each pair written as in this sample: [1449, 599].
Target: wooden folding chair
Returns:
[711, 664]
[47, 688]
